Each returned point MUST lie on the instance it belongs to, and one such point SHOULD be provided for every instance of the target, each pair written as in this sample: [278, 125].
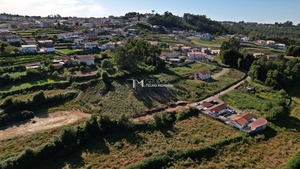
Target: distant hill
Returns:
[188, 21]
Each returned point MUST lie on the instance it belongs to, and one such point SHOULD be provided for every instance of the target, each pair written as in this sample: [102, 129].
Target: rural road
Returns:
[223, 71]
[150, 117]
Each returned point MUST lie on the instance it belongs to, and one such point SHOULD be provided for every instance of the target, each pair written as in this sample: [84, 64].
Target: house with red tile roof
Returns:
[242, 120]
[258, 125]
[215, 110]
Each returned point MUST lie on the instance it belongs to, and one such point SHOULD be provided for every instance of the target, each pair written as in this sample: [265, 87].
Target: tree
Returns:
[106, 64]
[105, 77]
[231, 57]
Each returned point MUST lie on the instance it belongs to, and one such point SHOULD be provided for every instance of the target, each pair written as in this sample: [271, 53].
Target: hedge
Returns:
[46, 86]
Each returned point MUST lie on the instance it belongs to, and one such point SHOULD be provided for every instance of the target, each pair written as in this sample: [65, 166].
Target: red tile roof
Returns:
[207, 104]
[218, 107]
[257, 123]
[243, 118]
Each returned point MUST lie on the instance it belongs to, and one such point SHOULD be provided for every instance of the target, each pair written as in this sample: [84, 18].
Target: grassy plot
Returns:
[215, 43]
[257, 152]
[122, 150]
[196, 90]
[25, 85]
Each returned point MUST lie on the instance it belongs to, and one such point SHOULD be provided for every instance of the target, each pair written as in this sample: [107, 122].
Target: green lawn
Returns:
[65, 51]
[215, 43]
[25, 85]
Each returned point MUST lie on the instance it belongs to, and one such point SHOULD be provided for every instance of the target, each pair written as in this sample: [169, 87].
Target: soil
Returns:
[41, 123]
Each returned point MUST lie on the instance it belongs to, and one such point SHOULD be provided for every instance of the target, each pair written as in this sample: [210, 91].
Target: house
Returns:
[215, 110]
[270, 43]
[202, 75]
[91, 45]
[246, 39]
[30, 41]
[88, 59]
[258, 125]
[92, 36]
[46, 46]
[28, 49]
[35, 65]
[206, 37]
[196, 55]
[280, 46]
[242, 120]
[261, 42]
[108, 46]
[12, 39]
[79, 41]
[185, 49]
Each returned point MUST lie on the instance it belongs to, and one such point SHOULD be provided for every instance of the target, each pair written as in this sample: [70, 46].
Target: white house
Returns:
[280, 46]
[88, 59]
[46, 46]
[108, 46]
[206, 37]
[245, 39]
[202, 75]
[91, 45]
[242, 120]
[258, 125]
[196, 55]
[270, 43]
[28, 48]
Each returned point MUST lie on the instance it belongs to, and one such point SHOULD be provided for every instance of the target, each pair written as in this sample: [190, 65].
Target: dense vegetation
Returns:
[278, 73]
[285, 33]
[188, 21]
[293, 50]
[231, 55]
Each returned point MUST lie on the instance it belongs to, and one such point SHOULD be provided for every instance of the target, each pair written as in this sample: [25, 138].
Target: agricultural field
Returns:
[214, 44]
[118, 151]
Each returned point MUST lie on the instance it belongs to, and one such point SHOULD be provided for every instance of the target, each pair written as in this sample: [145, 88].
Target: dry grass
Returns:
[118, 152]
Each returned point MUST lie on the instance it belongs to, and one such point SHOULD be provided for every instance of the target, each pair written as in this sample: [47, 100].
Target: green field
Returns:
[214, 44]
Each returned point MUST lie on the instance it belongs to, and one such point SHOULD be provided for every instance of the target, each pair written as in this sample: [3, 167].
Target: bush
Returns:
[186, 114]
[293, 163]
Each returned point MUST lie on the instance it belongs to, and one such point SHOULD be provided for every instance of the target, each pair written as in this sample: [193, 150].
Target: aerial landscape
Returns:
[149, 85]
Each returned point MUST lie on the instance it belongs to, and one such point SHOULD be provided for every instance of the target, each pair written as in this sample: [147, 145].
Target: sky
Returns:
[262, 11]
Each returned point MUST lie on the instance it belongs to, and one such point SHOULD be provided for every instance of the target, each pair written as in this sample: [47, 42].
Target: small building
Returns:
[46, 46]
[242, 120]
[215, 110]
[196, 55]
[28, 49]
[258, 125]
[88, 59]
[35, 65]
[270, 43]
[91, 45]
[79, 41]
[12, 39]
[280, 46]
[92, 36]
[202, 75]
[206, 37]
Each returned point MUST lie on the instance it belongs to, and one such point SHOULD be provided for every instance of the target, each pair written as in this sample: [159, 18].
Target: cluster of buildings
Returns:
[271, 43]
[244, 121]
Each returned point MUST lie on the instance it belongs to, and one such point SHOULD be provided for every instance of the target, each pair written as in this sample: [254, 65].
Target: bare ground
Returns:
[41, 123]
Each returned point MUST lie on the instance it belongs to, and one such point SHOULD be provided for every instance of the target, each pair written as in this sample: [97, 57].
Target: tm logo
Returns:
[135, 82]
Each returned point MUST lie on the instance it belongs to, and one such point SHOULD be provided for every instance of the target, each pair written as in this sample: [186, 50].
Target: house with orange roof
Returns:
[258, 125]
[242, 120]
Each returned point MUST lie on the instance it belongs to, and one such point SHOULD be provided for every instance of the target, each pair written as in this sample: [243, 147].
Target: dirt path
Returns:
[150, 117]
[41, 123]
[223, 71]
